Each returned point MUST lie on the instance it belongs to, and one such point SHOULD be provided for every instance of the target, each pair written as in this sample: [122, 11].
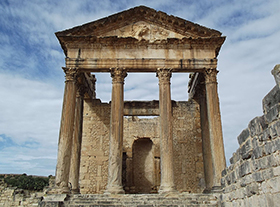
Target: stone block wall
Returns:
[95, 147]
[253, 178]
[13, 197]
[188, 160]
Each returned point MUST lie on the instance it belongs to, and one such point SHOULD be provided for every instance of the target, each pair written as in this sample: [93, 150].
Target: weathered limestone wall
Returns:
[253, 177]
[95, 147]
[188, 159]
[13, 197]
[141, 145]
[141, 134]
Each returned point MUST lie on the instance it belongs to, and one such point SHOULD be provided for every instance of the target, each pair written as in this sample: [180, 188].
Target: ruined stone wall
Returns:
[253, 177]
[188, 162]
[13, 197]
[141, 145]
[188, 158]
[95, 147]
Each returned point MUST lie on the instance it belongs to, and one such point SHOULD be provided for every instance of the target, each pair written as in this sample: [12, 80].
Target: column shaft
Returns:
[66, 132]
[200, 97]
[166, 140]
[116, 133]
[77, 141]
[215, 126]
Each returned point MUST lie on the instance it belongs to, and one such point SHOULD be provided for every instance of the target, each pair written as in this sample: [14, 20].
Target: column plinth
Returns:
[215, 127]
[116, 133]
[66, 132]
[77, 141]
[166, 140]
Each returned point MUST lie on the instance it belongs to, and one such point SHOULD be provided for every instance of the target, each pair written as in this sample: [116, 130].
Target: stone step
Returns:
[142, 200]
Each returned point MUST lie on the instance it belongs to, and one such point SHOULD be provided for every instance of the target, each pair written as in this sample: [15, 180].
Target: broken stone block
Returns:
[273, 113]
[271, 99]
[258, 177]
[269, 148]
[244, 169]
[243, 136]
[258, 152]
[256, 126]
[246, 150]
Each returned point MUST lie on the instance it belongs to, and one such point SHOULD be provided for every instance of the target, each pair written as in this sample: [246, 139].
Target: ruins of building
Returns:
[181, 149]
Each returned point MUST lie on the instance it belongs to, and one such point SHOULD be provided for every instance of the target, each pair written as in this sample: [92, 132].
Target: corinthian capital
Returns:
[70, 74]
[164, 75]
[211, 75]
[118, 75]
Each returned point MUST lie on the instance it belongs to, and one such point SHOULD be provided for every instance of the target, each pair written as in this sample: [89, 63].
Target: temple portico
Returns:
[182, 146]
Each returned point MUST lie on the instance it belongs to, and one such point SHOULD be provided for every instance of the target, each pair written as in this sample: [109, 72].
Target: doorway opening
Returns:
[143, 166]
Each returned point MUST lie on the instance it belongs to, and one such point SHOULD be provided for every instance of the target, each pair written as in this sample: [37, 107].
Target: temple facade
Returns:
[108, 147]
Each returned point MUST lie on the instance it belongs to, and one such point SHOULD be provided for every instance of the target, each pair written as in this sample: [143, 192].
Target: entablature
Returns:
[141, 65]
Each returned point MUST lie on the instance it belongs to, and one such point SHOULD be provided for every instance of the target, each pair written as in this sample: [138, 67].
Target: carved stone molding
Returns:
[70, 74]
[118, 75]
[211, 75]
[164, 75]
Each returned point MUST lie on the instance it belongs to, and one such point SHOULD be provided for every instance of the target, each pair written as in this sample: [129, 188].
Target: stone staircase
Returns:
[142, 200]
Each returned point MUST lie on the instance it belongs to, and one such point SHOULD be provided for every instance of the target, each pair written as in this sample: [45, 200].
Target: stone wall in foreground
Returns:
[13, 197]
[253, 178]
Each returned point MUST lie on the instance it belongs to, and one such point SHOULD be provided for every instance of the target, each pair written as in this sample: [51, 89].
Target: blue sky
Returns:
[32, 81]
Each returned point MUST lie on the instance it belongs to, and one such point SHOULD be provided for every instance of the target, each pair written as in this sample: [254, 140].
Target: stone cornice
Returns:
[93, 42]
[98, 42]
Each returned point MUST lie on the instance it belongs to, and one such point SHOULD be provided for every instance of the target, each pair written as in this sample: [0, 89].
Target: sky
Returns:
[32, 81]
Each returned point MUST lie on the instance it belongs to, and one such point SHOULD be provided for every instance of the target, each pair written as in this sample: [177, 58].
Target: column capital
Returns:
[118, 74]
[211, 75]
[70, 74]
[164, 75]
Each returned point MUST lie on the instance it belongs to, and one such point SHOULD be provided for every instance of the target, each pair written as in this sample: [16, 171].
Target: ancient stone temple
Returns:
[107, 148]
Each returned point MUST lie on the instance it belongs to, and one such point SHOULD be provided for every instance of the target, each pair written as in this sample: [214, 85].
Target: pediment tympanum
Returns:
[144, 31]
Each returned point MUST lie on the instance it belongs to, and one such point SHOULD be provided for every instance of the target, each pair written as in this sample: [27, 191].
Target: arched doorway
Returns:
[143, 165]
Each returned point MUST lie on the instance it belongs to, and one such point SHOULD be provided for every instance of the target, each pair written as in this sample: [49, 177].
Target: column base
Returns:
[167, 190]
[216, 189]
[75, 191]
[114, 190]
[57, 190]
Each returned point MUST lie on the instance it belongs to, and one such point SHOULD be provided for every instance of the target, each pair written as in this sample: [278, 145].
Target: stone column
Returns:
[116, 133]
[166, 141]
[77, 141]
[66, 132]
[215, 126]
[200, 97]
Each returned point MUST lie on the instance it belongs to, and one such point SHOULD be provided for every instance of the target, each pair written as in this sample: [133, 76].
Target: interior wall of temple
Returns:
[141, 150]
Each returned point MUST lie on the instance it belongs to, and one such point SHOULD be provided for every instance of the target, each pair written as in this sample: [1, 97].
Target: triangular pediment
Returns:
[142, 23]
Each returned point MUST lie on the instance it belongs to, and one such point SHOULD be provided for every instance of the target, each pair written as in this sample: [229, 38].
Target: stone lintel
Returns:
[142, 65]
[141, 108]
